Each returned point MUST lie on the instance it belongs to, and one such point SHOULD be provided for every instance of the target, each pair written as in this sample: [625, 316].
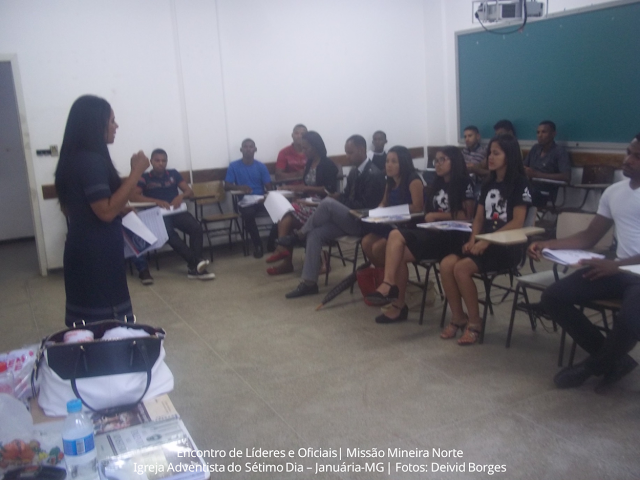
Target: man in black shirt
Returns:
[332, 219]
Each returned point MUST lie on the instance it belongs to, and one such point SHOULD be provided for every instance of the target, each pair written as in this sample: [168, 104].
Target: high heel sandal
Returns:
[470, 335]
[378, 299]
[451, 330]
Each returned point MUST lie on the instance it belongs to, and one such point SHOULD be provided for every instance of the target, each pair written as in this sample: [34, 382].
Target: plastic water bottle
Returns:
[78, 443]
[6, 379]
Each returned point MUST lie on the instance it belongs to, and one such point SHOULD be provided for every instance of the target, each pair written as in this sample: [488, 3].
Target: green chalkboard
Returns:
[581, 71]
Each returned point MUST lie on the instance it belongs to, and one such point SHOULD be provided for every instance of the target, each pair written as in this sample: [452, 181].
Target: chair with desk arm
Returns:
[213, 193]
[594, 178]
[512, 239]
[569, 223]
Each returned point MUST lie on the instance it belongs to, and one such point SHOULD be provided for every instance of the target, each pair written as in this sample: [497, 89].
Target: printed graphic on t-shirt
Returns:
[526, 196]
[441, 201]
[495, 206]
[469, 194]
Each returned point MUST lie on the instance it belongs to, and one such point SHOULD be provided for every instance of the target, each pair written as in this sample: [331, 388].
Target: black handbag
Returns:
[98, 358]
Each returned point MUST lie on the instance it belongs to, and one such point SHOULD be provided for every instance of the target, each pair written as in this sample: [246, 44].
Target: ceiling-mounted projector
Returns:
[499, 10]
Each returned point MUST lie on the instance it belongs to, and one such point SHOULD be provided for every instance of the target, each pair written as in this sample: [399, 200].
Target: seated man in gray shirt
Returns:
[547, 161]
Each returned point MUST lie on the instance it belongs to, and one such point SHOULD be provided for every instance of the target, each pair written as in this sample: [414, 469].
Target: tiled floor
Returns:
[256, 370]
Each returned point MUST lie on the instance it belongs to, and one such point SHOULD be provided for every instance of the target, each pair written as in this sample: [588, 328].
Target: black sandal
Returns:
[378, 299]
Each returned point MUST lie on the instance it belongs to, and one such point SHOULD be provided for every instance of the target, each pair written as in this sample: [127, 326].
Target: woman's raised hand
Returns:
[139, 162]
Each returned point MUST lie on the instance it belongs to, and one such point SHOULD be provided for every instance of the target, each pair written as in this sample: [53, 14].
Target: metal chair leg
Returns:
[513, 315]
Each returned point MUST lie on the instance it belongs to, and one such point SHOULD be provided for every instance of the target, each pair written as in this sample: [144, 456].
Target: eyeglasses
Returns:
[438, 160]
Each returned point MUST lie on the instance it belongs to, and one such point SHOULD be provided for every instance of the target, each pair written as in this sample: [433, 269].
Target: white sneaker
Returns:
[204, 275]
[202, 266]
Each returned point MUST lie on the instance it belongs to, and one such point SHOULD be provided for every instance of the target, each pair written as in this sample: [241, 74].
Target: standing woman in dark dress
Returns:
[92, 197]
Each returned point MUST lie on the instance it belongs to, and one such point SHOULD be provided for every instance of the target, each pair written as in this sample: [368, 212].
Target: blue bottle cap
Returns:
[74, 405]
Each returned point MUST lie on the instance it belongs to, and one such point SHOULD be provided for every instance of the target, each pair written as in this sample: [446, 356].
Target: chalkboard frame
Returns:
[614, 140]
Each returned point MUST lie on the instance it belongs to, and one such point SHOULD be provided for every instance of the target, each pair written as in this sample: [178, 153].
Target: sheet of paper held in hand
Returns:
[568, 257]
[388, 214]
[137, 237]
[173, 210]
[152, 220]
[250, 200]
[277, 206]
[631, 269]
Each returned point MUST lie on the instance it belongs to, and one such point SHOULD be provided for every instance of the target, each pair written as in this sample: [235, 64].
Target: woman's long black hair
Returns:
[513, 158]
[458, 182]
[85, 132]
[407, 170]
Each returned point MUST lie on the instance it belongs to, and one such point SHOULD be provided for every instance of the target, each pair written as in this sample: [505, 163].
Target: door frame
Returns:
[26, 150]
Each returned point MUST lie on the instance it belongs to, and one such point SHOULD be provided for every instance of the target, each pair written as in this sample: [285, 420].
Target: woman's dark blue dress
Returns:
[94, 274]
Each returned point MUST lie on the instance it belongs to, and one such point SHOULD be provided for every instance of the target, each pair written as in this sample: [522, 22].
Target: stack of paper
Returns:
[447, 225]
[568, 257]
[388, 214]
[143, 232]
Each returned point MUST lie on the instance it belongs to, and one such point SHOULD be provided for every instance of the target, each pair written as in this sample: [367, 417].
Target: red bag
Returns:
[369, 279]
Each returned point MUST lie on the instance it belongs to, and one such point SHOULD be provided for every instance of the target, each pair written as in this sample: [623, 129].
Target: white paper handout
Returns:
[568, 257]
[137, 237]
[153, 224]
[173, 210]
[631, 269]
[277, 206]
[250, 200]
[389, 211]
[447, 225]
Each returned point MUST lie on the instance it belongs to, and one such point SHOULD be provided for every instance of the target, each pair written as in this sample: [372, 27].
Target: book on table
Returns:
[569, 257]
[447, 225]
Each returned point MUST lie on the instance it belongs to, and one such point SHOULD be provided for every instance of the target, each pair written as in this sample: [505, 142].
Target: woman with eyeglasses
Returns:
[449, 198]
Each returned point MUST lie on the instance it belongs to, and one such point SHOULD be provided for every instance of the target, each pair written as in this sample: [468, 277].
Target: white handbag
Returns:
[106, 374]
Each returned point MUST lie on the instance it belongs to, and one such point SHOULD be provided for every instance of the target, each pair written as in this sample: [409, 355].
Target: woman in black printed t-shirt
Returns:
[503, 204]
[450, 197]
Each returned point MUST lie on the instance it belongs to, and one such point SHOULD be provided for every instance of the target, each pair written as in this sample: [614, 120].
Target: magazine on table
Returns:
[568, 257]
[150, 451]
[448, 225]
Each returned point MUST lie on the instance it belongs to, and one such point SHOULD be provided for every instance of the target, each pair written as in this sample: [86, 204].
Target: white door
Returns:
[15, 207]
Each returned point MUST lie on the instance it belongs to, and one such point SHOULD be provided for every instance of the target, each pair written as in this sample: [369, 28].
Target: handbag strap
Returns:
[142, 348]
[36, 369]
